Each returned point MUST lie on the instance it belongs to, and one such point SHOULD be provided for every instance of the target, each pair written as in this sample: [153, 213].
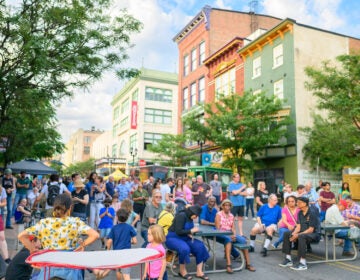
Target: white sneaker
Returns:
[246, 218]
[254, 219]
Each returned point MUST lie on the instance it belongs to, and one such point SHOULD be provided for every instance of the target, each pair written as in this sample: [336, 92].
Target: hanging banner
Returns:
[134, 109]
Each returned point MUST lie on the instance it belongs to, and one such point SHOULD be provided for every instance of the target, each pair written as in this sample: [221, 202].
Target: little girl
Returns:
[133, 217]
[156, 269]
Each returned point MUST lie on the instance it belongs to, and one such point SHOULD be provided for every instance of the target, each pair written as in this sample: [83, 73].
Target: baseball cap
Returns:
[343, 203]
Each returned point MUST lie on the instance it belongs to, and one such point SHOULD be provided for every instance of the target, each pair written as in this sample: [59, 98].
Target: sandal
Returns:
[203, 277]
[229, 269]
[250, 268]
[186, 276]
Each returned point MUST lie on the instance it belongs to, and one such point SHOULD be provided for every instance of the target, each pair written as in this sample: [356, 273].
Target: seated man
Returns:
[208, 212]
[22, 213]
[267, 219]
[307, 230]
[333, 217]
[352, 212]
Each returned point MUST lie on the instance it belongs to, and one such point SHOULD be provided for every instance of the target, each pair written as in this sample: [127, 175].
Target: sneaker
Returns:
[274, 246]
[300, 266]
[246, 218]
[254, 219]
[348, 254]
[264, 252]
[251, 249]
[9, 227]
[286, 263]
[7, 261]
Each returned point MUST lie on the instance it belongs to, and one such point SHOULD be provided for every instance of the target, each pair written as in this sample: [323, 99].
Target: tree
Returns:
[171, 150]
[48, 49]
[241, 125]
[338, 92]
[84, 168]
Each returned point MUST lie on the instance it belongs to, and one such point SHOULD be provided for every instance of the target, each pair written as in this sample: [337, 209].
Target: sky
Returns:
[154, 47]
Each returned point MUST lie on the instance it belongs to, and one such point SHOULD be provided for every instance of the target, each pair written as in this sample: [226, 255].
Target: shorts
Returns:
[104, 232]
[238, 211]
[262, 229]
[126, 270]
[1, 223]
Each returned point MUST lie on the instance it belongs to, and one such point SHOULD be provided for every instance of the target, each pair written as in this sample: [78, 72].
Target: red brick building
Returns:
[209, 31]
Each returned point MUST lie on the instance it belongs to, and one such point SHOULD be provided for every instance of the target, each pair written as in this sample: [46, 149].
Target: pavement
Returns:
[266, 267]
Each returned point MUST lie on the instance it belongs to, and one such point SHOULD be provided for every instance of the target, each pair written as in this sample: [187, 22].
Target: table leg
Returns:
[214, 254]
[326, 247]
[334, 245]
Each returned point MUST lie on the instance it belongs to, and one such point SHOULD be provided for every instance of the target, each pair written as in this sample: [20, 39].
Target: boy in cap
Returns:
[307, 230]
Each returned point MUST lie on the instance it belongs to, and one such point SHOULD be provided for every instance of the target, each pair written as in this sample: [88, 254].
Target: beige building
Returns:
[144, 110]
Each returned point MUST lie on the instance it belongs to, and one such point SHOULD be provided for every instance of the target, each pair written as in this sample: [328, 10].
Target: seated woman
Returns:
[224, 220]
[180, 239]
[289, 218]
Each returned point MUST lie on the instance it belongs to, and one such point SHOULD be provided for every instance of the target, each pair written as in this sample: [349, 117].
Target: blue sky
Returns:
[154, 47]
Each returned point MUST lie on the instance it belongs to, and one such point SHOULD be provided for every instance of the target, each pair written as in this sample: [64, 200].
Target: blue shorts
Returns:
[104, 232]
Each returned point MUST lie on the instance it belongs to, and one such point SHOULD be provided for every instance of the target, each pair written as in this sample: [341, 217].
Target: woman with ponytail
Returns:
[60, 232]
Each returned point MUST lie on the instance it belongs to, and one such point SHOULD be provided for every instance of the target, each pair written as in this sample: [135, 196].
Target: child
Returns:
[133, 217]
[116, 204]
[107, 215]
[120, 237]
[156, 269]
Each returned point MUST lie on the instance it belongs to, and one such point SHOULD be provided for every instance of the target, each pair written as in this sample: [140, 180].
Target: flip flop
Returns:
[204, 277]
[186, 276]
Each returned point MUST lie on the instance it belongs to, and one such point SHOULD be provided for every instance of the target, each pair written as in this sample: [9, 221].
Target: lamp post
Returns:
[133, 153]
[201, 143]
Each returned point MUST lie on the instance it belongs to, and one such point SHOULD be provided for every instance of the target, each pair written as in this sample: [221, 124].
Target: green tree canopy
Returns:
[241, 125]
[83, 168]
[48, 49]
[334, 142]
[171, 150]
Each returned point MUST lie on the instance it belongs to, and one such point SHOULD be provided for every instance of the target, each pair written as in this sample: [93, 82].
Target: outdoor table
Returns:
[328, 229]
[209, 232]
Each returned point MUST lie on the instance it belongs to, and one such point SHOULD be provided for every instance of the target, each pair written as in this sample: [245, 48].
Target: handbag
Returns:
[354, 234]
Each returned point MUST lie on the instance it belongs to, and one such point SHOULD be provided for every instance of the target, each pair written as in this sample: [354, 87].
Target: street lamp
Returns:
[133, 153]
[201, 143]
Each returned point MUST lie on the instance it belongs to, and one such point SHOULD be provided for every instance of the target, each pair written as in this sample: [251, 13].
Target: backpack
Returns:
[53, 191]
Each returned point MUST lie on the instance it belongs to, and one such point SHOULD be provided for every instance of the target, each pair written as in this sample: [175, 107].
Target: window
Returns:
[201, 53]
[279, 89]
[124, 122]
[87, 139]
[186, 65]
[278, 55]
[133, 141]
[257, 67]
[116, 113]
[185, 99]
[115, 130]
[157, 94]
[225, 84]
[135, 95]
[193, 59]
[202, 89]
[192, 94]
[122, 150]
[86, 150]
[151, 138]
[125, 106]
[114, 150]
[158, 116]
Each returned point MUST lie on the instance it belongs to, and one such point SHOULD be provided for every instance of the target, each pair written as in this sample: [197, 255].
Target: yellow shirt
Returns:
[165, 220]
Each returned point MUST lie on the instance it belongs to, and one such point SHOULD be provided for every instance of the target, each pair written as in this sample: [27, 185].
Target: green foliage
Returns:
[241, 125]
[171, 150]
[336, 140]
[83, 168]
[48, 50]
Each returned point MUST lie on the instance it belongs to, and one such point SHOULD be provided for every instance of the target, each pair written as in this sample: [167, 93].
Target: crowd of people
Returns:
[164, 214]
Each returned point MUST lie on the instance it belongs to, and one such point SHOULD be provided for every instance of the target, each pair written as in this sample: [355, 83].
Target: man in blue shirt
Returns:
[110, 186]
[238, 192]
[123, 189]
[208, 212]
[268, 217]
[74, 177]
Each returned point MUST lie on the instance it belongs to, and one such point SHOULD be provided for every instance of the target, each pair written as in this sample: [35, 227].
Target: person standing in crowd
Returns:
[149, 185]
[178, 191]
[74, 177]
[98, 192]
[250, 191]
[289, 215]
[22, 186]
[50, 192]
[268, 217]
[32, 196]
[327, 198]
[106, 215]
[201, 191]
[288, 191]
[216, 187]
[262, 195]
[238, 192]
[140, 197]
[110, 186]
[116, 204]
[80, 199]
[333, 217]
[187, 191]
[3, 243]
[301, 191]
[307, 230]
[60, 232]
[344, 191]
[133, 216]
[280, 189]
[8, 183]
[91, 204]
[151, 214]
[123, 189]
[165, 190]
[320, 186]
[312, 195]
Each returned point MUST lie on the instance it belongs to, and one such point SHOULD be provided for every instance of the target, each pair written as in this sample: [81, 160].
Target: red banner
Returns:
[134, 109]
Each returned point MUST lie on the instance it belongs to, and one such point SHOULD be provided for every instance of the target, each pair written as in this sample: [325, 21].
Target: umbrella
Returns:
[117, 174]
[31, 166]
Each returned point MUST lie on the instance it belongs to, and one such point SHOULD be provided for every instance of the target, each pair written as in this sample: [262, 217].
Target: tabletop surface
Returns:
[211, 231]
